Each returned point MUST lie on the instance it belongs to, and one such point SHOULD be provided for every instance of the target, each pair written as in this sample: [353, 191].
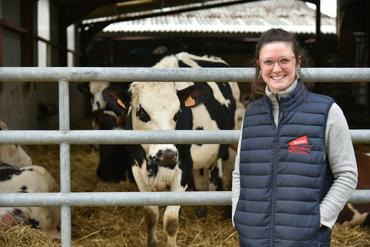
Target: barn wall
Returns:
[31, 105]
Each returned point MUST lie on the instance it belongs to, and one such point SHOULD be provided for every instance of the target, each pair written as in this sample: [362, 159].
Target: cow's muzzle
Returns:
[167, 158]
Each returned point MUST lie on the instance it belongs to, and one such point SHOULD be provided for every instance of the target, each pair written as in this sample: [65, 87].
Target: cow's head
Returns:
[155, 106]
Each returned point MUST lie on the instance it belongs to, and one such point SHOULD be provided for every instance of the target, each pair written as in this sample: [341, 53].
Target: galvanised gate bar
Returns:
[65, 137]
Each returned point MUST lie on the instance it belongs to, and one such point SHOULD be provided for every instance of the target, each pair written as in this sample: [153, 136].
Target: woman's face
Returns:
[278, 65]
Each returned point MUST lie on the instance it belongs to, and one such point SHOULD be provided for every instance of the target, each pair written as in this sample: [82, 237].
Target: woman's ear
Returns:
[299, 60]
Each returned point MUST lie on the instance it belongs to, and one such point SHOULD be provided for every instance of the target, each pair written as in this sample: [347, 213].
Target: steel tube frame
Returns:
[134, 198]
[65, 137]
[82, 74]
[65, 172]
[41, 137]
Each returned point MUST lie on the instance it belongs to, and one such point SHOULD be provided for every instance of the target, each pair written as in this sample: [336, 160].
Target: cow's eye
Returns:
[142, 115]
[176, 115]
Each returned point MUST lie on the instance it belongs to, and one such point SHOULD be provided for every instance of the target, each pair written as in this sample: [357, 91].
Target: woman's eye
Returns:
[268, 62]
[284, 60]
[142, 114]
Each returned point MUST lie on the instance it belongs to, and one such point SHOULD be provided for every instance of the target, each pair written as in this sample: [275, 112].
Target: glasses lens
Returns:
[285, 60]
[268, 62]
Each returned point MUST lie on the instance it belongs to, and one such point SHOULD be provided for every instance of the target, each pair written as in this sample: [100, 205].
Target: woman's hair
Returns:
[273, 35]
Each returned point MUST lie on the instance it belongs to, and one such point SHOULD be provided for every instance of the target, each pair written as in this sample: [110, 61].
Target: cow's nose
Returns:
[167, 157]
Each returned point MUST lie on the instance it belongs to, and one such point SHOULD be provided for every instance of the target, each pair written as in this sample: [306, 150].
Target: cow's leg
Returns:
[151, 213]
[171, 224]
[227, 169]
[201, 182]
[215, 177]
[171, 214]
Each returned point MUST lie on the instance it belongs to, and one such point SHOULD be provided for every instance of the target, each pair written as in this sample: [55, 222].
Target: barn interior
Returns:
[60, 33]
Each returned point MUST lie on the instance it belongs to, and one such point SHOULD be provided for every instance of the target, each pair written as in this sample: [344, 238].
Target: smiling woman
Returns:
[295, 168]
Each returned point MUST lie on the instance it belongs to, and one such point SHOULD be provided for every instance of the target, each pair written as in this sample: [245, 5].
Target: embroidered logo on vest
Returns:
[299, 145]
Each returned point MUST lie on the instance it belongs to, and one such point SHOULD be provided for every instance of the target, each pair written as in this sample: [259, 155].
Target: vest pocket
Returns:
[324, 236]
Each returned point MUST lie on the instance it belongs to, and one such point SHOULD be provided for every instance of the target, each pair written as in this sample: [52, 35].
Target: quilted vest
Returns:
[284, 174]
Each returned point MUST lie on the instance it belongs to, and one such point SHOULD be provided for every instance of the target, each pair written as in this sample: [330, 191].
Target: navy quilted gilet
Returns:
[284, 173]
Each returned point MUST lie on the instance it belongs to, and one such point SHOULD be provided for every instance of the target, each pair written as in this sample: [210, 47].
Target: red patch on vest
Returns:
[299, 145]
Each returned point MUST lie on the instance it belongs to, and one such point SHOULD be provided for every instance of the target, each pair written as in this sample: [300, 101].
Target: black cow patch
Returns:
[199, 128]
[7, 171]
[34, 223]
[152, 168]
[17, 212]
[23, 189]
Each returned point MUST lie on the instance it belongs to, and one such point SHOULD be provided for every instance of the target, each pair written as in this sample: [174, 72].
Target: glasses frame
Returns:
[276, 61]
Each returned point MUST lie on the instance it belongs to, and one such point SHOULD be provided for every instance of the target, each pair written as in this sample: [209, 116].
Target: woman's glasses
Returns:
[284, 62]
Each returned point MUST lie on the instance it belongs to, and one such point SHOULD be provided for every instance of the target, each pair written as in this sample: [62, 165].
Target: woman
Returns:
[296, 167]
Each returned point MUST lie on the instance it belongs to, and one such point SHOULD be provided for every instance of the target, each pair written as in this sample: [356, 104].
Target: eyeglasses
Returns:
[283, 62]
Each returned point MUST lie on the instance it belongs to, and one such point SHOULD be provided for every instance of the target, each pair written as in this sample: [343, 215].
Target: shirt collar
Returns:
[283, 94]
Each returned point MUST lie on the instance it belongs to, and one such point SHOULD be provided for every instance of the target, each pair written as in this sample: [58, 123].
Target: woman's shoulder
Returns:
[316, 97]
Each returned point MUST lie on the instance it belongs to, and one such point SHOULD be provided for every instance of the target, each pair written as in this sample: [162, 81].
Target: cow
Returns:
[111, 168]
[99, 108]
[29, 179]
[358, 214]
[180, 106]
[13, 154]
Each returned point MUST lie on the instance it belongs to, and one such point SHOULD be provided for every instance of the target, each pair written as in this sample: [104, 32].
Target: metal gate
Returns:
[64, 136]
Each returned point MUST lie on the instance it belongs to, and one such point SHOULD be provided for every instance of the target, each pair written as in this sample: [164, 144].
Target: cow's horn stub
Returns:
[119, 102]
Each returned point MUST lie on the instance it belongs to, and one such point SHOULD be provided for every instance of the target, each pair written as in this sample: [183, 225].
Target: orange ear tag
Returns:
[119, 102]
[189, 101]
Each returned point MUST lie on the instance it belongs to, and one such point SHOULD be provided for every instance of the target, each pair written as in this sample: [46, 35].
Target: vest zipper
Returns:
[274, 167]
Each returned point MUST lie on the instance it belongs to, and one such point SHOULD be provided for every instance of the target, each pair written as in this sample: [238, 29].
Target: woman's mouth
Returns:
[278, 77]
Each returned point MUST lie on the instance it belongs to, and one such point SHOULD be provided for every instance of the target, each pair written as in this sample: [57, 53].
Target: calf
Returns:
[358, 214]
[182, 106]
[24, 180]
[13, 154]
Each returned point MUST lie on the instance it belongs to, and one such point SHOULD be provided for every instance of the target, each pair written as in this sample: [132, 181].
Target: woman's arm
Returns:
[343, 165]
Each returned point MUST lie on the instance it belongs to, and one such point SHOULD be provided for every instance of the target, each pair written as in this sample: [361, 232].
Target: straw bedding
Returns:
[125, 226]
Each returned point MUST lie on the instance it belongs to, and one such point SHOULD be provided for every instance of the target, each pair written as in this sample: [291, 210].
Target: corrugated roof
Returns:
[250, 17]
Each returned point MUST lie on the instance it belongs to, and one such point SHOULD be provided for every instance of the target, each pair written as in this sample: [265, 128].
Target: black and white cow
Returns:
[26, 180]
[18, 175]
[180, 106]
[110, 167]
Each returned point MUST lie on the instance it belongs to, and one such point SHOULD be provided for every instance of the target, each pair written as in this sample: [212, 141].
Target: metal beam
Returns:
[42, 137]
[124, 74]
[189, 198]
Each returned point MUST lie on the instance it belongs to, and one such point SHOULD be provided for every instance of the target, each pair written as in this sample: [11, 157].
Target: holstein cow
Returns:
[24, 180]
[13, 154]
[99, 108]
[358, 214]
[180, 106]
[18, 175]
[110, 168]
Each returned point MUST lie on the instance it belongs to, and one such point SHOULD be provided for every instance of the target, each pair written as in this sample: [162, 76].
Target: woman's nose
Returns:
[276, 66]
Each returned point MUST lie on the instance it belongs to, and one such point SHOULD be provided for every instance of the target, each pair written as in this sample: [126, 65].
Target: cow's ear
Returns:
[117, 98]
[194, 95]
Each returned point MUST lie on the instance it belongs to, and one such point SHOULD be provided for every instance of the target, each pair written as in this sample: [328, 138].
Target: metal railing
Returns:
[65, 137]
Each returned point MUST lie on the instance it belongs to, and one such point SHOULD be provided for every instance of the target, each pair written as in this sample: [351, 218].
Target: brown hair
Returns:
[273, 35]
